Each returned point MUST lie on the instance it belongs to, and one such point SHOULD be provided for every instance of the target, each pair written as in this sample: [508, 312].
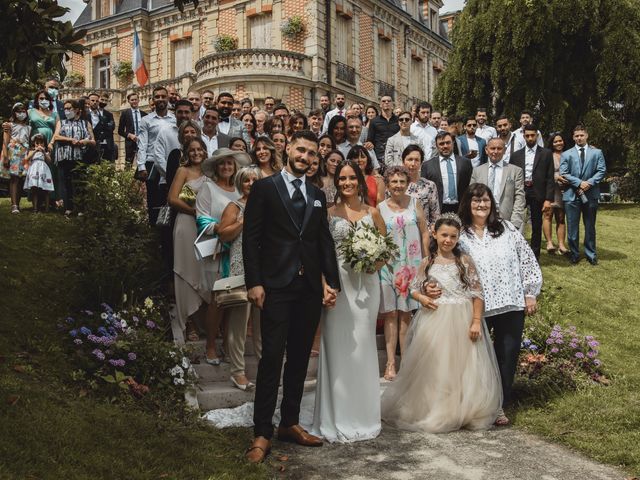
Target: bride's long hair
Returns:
[449, 221]
[362, 184]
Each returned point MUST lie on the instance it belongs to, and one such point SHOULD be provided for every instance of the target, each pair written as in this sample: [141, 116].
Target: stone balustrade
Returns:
[253, 61]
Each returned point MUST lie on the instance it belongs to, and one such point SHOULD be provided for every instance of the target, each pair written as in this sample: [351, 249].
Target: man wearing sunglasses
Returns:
[401, 140]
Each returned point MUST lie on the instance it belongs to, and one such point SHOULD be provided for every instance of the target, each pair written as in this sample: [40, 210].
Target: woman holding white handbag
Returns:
[216, 193]
[230, 230]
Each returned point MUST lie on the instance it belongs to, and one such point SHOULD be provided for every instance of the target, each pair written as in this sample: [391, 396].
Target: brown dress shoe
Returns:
[297, 434]
[259, 449]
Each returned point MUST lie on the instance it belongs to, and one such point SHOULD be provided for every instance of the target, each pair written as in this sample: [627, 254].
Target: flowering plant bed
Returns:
[127, 351]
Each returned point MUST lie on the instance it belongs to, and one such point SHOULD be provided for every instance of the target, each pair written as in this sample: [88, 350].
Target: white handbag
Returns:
[205, 247]
[230, 292]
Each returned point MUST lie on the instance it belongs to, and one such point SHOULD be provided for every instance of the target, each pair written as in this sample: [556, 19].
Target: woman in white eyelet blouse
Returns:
[510, 275]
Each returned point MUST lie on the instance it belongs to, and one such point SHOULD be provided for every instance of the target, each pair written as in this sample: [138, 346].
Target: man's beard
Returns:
[294, 169]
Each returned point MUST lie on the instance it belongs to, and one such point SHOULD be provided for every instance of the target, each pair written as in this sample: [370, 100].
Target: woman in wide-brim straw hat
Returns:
[216, 193]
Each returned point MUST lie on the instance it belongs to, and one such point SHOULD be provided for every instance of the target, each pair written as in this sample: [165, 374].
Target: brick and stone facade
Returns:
[360, 48]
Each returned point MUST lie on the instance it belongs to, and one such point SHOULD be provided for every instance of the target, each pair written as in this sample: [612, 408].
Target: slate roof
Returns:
[122, 7]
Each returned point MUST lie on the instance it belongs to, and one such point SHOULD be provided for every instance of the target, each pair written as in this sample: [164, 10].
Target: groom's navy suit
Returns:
[287, 254]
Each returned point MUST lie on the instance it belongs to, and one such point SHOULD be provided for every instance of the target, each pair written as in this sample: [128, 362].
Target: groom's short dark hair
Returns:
[305, 134]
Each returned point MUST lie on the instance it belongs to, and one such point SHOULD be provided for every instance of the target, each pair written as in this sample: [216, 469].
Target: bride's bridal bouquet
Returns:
[365, 248]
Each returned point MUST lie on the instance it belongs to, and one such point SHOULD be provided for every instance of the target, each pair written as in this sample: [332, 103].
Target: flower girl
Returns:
[39, 179]
[449, 377]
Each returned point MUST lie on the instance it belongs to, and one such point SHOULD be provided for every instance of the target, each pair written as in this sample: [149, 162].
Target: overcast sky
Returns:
[77, 6]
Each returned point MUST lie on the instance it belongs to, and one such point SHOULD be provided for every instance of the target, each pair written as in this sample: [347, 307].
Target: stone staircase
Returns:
[215, 390]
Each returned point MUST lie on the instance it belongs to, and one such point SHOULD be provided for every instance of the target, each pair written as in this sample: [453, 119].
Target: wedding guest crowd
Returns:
[201, 154]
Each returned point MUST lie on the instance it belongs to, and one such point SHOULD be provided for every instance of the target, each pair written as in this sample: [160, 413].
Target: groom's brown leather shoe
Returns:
[259, 449]
[299, 435]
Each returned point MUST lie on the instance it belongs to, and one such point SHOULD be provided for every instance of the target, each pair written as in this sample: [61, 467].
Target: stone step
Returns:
[214, 395]
[222, 372]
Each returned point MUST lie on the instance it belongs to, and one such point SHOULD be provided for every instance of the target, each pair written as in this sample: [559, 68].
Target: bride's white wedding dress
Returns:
[348, 389]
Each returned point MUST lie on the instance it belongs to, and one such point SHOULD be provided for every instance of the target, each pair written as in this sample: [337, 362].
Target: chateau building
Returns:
[293, 50]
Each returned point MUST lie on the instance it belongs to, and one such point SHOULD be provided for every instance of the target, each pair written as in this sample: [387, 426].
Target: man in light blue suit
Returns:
[471, 145]
[583, 167]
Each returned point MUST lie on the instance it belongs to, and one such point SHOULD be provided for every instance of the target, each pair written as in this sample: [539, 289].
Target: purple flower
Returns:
[557, 327]
[555, 350]
[98, 353]
[132, 356]
[572, 328]
[70, 320]
[593, 343]
[85, 331]
[106, 307]
[579, 355]
[592, 354]
[135, 319]
[150, 324]
[573, 345]
[73, 333]
[533, 347]
[559, 341]
[553, 334]
[549, 341]
[77, 341]
[93, 338]
[117, 363]
[588, 338]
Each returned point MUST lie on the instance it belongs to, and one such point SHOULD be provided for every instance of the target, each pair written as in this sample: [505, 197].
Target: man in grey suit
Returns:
[583, 167]
[229, 125]
[505, 181]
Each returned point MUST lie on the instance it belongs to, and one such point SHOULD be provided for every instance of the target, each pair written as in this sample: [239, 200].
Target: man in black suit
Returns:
[130, 126]
[287, 248]
[451, 173]
[103, 126]
[537, 164]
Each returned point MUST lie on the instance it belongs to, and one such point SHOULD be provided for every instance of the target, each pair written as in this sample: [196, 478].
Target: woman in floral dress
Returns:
[405, 221]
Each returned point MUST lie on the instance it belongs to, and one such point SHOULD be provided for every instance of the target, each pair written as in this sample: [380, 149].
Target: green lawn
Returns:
[48, 430]
[602, 422]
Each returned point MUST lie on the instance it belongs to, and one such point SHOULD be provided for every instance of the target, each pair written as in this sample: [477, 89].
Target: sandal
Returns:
[191, 333]
[501, 419]
[551, 250]
[390, 371]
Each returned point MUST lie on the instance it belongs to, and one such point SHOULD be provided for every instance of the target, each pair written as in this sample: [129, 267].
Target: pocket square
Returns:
[317, 203]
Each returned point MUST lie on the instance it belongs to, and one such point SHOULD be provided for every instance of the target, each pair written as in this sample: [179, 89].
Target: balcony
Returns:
[386, 89]
[254, 62]
[345, 73]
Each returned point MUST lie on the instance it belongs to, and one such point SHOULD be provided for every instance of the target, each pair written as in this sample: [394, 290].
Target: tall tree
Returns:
[568, 60]
[33, 39]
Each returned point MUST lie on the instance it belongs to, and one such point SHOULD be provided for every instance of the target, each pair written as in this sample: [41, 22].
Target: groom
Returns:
[287, 248]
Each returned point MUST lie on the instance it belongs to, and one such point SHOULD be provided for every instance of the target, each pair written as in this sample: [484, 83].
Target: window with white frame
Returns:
[102, 72]
[260, 31]
[385, 57]
[182, 57]
[344, 40]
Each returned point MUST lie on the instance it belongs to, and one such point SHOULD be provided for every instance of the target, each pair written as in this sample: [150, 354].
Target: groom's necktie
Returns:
[299, 204]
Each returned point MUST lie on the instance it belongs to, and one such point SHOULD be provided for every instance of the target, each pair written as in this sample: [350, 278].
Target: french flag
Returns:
[138, 61]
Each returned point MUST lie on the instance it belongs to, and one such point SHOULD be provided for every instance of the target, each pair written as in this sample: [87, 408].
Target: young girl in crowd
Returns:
[39, 179]
[15, 146]
[449, 377]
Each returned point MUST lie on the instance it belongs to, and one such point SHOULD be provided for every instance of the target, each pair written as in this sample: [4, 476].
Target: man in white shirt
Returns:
[354, 131]
[487, 132]
[526, 118]
[213, 138]
[339, 110]
[421, 128]
[167, 138]
[503, 127]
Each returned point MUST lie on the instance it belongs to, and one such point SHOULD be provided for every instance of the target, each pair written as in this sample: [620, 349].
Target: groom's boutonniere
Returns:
[317, 203]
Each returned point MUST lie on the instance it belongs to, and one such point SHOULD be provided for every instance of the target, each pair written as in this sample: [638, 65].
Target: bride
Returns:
[348, 389]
